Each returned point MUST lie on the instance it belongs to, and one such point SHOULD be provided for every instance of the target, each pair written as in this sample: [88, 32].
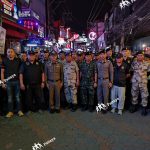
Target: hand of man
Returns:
[110, 85]
[42, 85]
[95, 85]
[22, 86]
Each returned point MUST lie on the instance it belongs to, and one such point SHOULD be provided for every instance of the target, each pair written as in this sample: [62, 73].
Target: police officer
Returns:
[105, 79]
[121, 71]
[88, 81]
[32, 81]
[71, 81]
[109, 54]
[54, 79]
[140, 69]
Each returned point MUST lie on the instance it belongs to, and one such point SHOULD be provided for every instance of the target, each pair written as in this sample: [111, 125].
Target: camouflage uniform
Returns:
[87, 81]
[70, 78]
[139, 82]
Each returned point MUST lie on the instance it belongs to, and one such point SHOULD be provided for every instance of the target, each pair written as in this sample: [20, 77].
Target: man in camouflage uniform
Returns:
[88, 80]
[71, 81]
[139, 83]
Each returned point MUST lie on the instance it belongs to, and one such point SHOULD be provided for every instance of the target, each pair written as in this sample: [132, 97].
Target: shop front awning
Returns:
[15, 30]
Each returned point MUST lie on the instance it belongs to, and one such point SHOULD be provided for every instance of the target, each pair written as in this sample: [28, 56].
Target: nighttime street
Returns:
[74, 74]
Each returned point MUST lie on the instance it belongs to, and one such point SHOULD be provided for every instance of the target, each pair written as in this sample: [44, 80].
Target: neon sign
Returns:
[9, 8]
[125, 3]
[92, 36]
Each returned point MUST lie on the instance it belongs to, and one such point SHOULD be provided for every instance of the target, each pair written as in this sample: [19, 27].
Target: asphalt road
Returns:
[76, 131]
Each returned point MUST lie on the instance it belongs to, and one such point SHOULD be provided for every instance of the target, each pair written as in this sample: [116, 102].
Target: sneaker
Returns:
[9, 115]
[20, 113]
[120, 112]
[113, 110]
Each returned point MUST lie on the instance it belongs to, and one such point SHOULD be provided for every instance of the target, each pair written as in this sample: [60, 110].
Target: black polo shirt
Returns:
[11, 67]
[120, 73]
[32, 73]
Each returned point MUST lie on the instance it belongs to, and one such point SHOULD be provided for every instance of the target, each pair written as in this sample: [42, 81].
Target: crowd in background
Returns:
[52, 81]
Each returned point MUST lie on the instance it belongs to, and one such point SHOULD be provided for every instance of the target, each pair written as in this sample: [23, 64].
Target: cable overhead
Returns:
[99, 11]
[92, 10]
[96, 10]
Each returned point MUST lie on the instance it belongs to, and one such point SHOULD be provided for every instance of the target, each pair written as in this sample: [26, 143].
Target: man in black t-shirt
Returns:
[32, 80]
[10, 67]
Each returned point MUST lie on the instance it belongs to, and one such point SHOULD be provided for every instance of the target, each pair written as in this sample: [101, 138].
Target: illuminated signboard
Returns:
[26, 13]
[9, 8]
[41, 31]
[92, 36]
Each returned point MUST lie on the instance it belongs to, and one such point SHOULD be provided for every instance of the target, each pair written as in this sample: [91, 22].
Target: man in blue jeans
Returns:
[10, 81]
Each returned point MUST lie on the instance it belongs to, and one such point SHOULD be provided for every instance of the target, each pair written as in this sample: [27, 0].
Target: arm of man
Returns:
[111, 74]
[21, 72]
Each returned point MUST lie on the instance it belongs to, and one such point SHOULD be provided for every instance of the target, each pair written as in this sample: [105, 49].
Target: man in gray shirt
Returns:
[105, 79]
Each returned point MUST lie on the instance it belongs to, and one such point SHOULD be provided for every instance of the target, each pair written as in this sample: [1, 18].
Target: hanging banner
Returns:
[2, 40]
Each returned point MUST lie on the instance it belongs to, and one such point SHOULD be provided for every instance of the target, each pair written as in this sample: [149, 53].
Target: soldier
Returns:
[54, 79]
[121, 71]
[10, 66]
[62, 57]
[88, 81]
[105, 79]
[74, 55]
[32, 81]
[139, 83]
[71, 81]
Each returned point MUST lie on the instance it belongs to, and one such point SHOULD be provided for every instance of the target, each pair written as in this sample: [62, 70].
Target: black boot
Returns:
[144, 111]
[133, 108]
[91, 108]
[73, 107]
[84, 108]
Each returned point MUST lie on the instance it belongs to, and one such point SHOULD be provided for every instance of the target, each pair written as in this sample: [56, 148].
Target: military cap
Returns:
[139, 52]
[97, 53]
[31, 52]
[68, 53]
[53, 52]
[108, 49]
[119, 55]
[61, 52]
[23, 52]
[102, 51]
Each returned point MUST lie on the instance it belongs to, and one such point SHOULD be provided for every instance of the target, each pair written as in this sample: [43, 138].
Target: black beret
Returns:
[119, 55]
[30, 52]
[123, 49]
[88, 53]
[97, 53]
[140, 52]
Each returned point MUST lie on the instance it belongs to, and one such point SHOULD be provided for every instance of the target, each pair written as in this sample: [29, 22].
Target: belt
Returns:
[102, 78]
[53, 80]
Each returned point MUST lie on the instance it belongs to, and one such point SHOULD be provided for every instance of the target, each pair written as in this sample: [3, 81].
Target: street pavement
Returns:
[75, 131]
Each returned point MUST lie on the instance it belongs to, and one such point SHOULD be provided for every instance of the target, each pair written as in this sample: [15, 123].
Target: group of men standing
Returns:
[73, 79]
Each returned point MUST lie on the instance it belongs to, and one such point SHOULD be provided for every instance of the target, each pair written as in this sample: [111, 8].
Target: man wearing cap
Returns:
[54, 79]
[88, 81]
[140, 70]
[105, 79]
[128, 60]
[121, 71]
[62, 56]
[32, 81]
[71, 81]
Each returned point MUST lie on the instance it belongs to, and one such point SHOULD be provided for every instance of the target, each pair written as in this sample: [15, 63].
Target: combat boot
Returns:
[73, 107]
[133, 108]
[144, 111]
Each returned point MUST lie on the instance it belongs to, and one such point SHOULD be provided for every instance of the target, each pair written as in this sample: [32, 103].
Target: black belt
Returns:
[103, 78]
[53, 80]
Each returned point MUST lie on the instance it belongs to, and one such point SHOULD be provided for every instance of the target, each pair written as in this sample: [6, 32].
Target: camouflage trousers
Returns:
[142, 88]
[71, 94]
[87, 94]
